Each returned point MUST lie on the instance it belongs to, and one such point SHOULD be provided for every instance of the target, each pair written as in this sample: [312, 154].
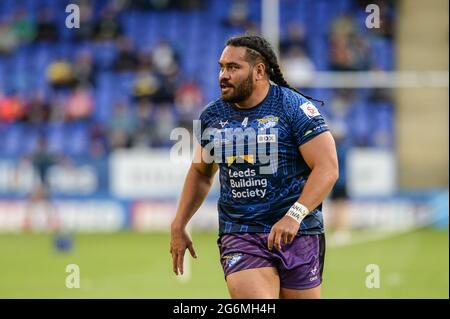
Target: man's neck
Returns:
[258, 95]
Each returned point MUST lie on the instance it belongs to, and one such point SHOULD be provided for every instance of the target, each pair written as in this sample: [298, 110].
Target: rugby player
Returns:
[271, 232]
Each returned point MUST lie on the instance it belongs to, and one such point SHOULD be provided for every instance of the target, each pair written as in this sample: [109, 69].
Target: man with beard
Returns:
[271, 238]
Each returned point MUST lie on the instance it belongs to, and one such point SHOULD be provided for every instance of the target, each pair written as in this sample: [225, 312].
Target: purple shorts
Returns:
[299, 264]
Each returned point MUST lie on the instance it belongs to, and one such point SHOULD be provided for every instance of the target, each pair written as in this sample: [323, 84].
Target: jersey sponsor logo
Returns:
[245, 184]
[222, 124]
[309, 109]
[267, 138]
[320, 127]
[317, 128]
[250, 158]
[267, 122]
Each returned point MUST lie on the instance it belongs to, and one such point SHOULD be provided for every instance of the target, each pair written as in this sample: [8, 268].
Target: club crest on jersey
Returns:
[232, 259]
[267, 122]
[309, 109]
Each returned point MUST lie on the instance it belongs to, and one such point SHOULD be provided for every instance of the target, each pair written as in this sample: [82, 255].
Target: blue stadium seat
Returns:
[105, 54]
[56, 138]
[11, 143]
[104, 98]
[76, 139]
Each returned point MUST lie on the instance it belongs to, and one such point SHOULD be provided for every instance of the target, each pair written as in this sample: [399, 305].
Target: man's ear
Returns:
[260, 70]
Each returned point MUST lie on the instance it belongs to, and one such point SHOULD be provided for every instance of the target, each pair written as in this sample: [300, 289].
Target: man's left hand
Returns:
[284, 230]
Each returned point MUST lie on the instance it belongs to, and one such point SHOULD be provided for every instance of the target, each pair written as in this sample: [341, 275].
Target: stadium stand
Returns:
[159, 65]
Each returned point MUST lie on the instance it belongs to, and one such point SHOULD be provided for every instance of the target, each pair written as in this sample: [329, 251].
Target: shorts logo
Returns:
[232, 259]
[309, 109]
[267, 122]
[313, 272]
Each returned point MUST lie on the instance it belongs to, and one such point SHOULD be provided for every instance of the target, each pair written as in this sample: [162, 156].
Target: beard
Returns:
[239, 92]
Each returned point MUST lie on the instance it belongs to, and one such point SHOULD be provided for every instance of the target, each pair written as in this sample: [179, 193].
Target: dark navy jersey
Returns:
[262, 172]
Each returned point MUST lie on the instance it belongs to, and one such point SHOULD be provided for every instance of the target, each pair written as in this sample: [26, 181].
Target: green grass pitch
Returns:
[133, 265]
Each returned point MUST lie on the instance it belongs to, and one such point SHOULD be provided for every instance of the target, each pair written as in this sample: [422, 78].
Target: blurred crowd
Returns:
[159, 95]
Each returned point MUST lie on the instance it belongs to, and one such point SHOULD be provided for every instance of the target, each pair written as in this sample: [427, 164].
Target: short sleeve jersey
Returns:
[261, 170]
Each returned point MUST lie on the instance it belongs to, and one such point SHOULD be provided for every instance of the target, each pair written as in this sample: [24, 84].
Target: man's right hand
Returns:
[179, 241]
